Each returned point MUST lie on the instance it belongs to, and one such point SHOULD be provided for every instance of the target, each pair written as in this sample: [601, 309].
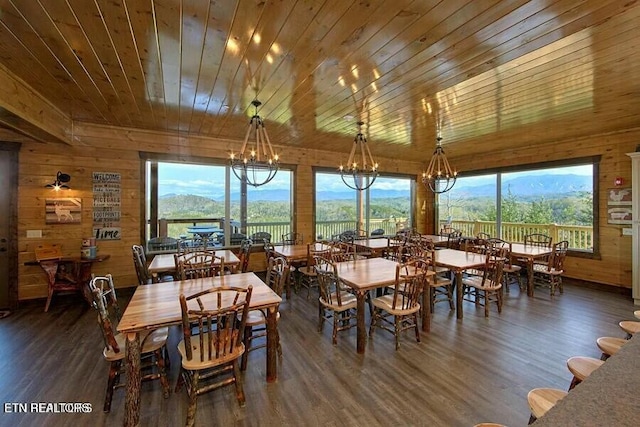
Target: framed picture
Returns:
[619, 215]
[619, 197]
[63, 211]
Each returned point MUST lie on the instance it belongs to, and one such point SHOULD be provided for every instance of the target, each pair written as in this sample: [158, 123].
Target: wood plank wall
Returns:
[108, 149]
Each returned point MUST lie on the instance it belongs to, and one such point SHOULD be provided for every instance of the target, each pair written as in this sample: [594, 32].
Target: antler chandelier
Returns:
[359, 176]
[439, 176]
[261, 164]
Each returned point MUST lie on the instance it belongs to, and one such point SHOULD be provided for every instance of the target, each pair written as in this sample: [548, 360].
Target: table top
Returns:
[370, 273]
[158, 304]
[608, 397]
[164, 263]
[520, 249]
[374, 244]
[297, 252]
[459, 260]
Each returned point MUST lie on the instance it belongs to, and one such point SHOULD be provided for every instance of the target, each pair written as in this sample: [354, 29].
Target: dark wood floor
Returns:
[462, 373]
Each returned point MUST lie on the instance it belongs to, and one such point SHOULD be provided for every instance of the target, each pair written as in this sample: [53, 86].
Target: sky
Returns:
[206, 180]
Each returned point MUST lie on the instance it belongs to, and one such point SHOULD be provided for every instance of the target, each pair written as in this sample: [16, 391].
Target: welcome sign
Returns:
[106, 206]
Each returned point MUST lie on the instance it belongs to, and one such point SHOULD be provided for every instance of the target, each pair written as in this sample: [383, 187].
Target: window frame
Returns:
[594, 161]
[149, 187]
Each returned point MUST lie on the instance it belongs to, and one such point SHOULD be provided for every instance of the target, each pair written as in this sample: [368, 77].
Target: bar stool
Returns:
[637, 314]
[542, 399]
[630, 327]
[609, 346]
[581, 367]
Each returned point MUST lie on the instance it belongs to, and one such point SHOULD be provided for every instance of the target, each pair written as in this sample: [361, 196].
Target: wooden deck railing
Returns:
[578, 236]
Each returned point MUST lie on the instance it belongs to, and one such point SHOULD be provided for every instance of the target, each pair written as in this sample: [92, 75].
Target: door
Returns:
[8, 225]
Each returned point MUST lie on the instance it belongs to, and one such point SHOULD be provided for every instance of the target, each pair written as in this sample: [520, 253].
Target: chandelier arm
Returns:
[372, 162]
[363, 146]
[266, 136]
[352, 154]
[258, 138]
[246, 137]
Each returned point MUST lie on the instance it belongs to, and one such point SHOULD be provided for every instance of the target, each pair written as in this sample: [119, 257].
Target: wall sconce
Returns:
[60, 182]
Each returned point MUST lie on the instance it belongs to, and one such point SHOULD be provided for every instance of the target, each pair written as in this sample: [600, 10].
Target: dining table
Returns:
[530, 253]
[166, 263]
[375, 246]
[366, 274]
[437, 240]
[157, 305]
[459, 261]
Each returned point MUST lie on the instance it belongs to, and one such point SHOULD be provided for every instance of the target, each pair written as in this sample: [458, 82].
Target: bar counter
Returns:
[610, 396]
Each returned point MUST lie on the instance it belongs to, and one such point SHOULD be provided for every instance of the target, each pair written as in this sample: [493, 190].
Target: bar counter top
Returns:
[610, 396]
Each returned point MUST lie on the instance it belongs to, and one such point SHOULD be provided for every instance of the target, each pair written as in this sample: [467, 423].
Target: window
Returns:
[183, 195]
[387, 205]
[558, 199]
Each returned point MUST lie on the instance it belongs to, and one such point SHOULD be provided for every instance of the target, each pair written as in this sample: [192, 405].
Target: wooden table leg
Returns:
[426, 308]
[530, 277]
[272, 344]
[132, 399]
[361, 338]
[459, 294]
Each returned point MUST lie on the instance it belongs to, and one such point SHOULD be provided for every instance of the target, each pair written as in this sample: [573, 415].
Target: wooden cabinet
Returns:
[635, 246]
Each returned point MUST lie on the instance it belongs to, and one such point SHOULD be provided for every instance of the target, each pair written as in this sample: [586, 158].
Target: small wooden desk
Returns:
[364, 275]
[458, 261]
[530, 253]
[157, 305]
[75, 277]
[165, 263]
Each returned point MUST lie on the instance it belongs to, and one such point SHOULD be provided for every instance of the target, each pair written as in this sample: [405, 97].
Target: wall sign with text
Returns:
[106, 206]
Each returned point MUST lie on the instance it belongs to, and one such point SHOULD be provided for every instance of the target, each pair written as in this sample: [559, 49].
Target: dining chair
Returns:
[487, 286]
[245, 254]
[210, 355]
[307, 274]
[403, 303]
[152, 343]
[538, 239]
[256, 324]
[261, 236]
[550, 273]
[511, 273]
[142, 268]
[335, 303]
[199, 264]
[440, 284]
[292, 238]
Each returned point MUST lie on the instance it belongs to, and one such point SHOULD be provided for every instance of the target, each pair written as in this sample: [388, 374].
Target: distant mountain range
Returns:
[540, 185]
[545, 185]
[283, 195]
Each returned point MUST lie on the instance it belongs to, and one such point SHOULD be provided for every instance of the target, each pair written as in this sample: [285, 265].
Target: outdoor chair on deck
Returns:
[152, 347]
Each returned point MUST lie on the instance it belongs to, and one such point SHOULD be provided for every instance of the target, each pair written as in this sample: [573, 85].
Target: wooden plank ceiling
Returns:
[486, 73]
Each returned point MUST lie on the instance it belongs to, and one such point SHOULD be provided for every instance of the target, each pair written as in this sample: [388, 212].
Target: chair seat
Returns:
[544, 269]
[637, 314]
[348, 300]
[610, 345]
[630, 326]
[257, 317]
[308, 270]
[511, 268]
[581, 367]
[195, 364]
[385, 302]
[476, 282]
[151, 341]
[542, 399]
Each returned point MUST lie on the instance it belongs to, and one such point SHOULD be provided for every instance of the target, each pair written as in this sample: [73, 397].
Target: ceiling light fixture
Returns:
[60, 182]
[261, 164]
[359, 176]
[439, 176]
